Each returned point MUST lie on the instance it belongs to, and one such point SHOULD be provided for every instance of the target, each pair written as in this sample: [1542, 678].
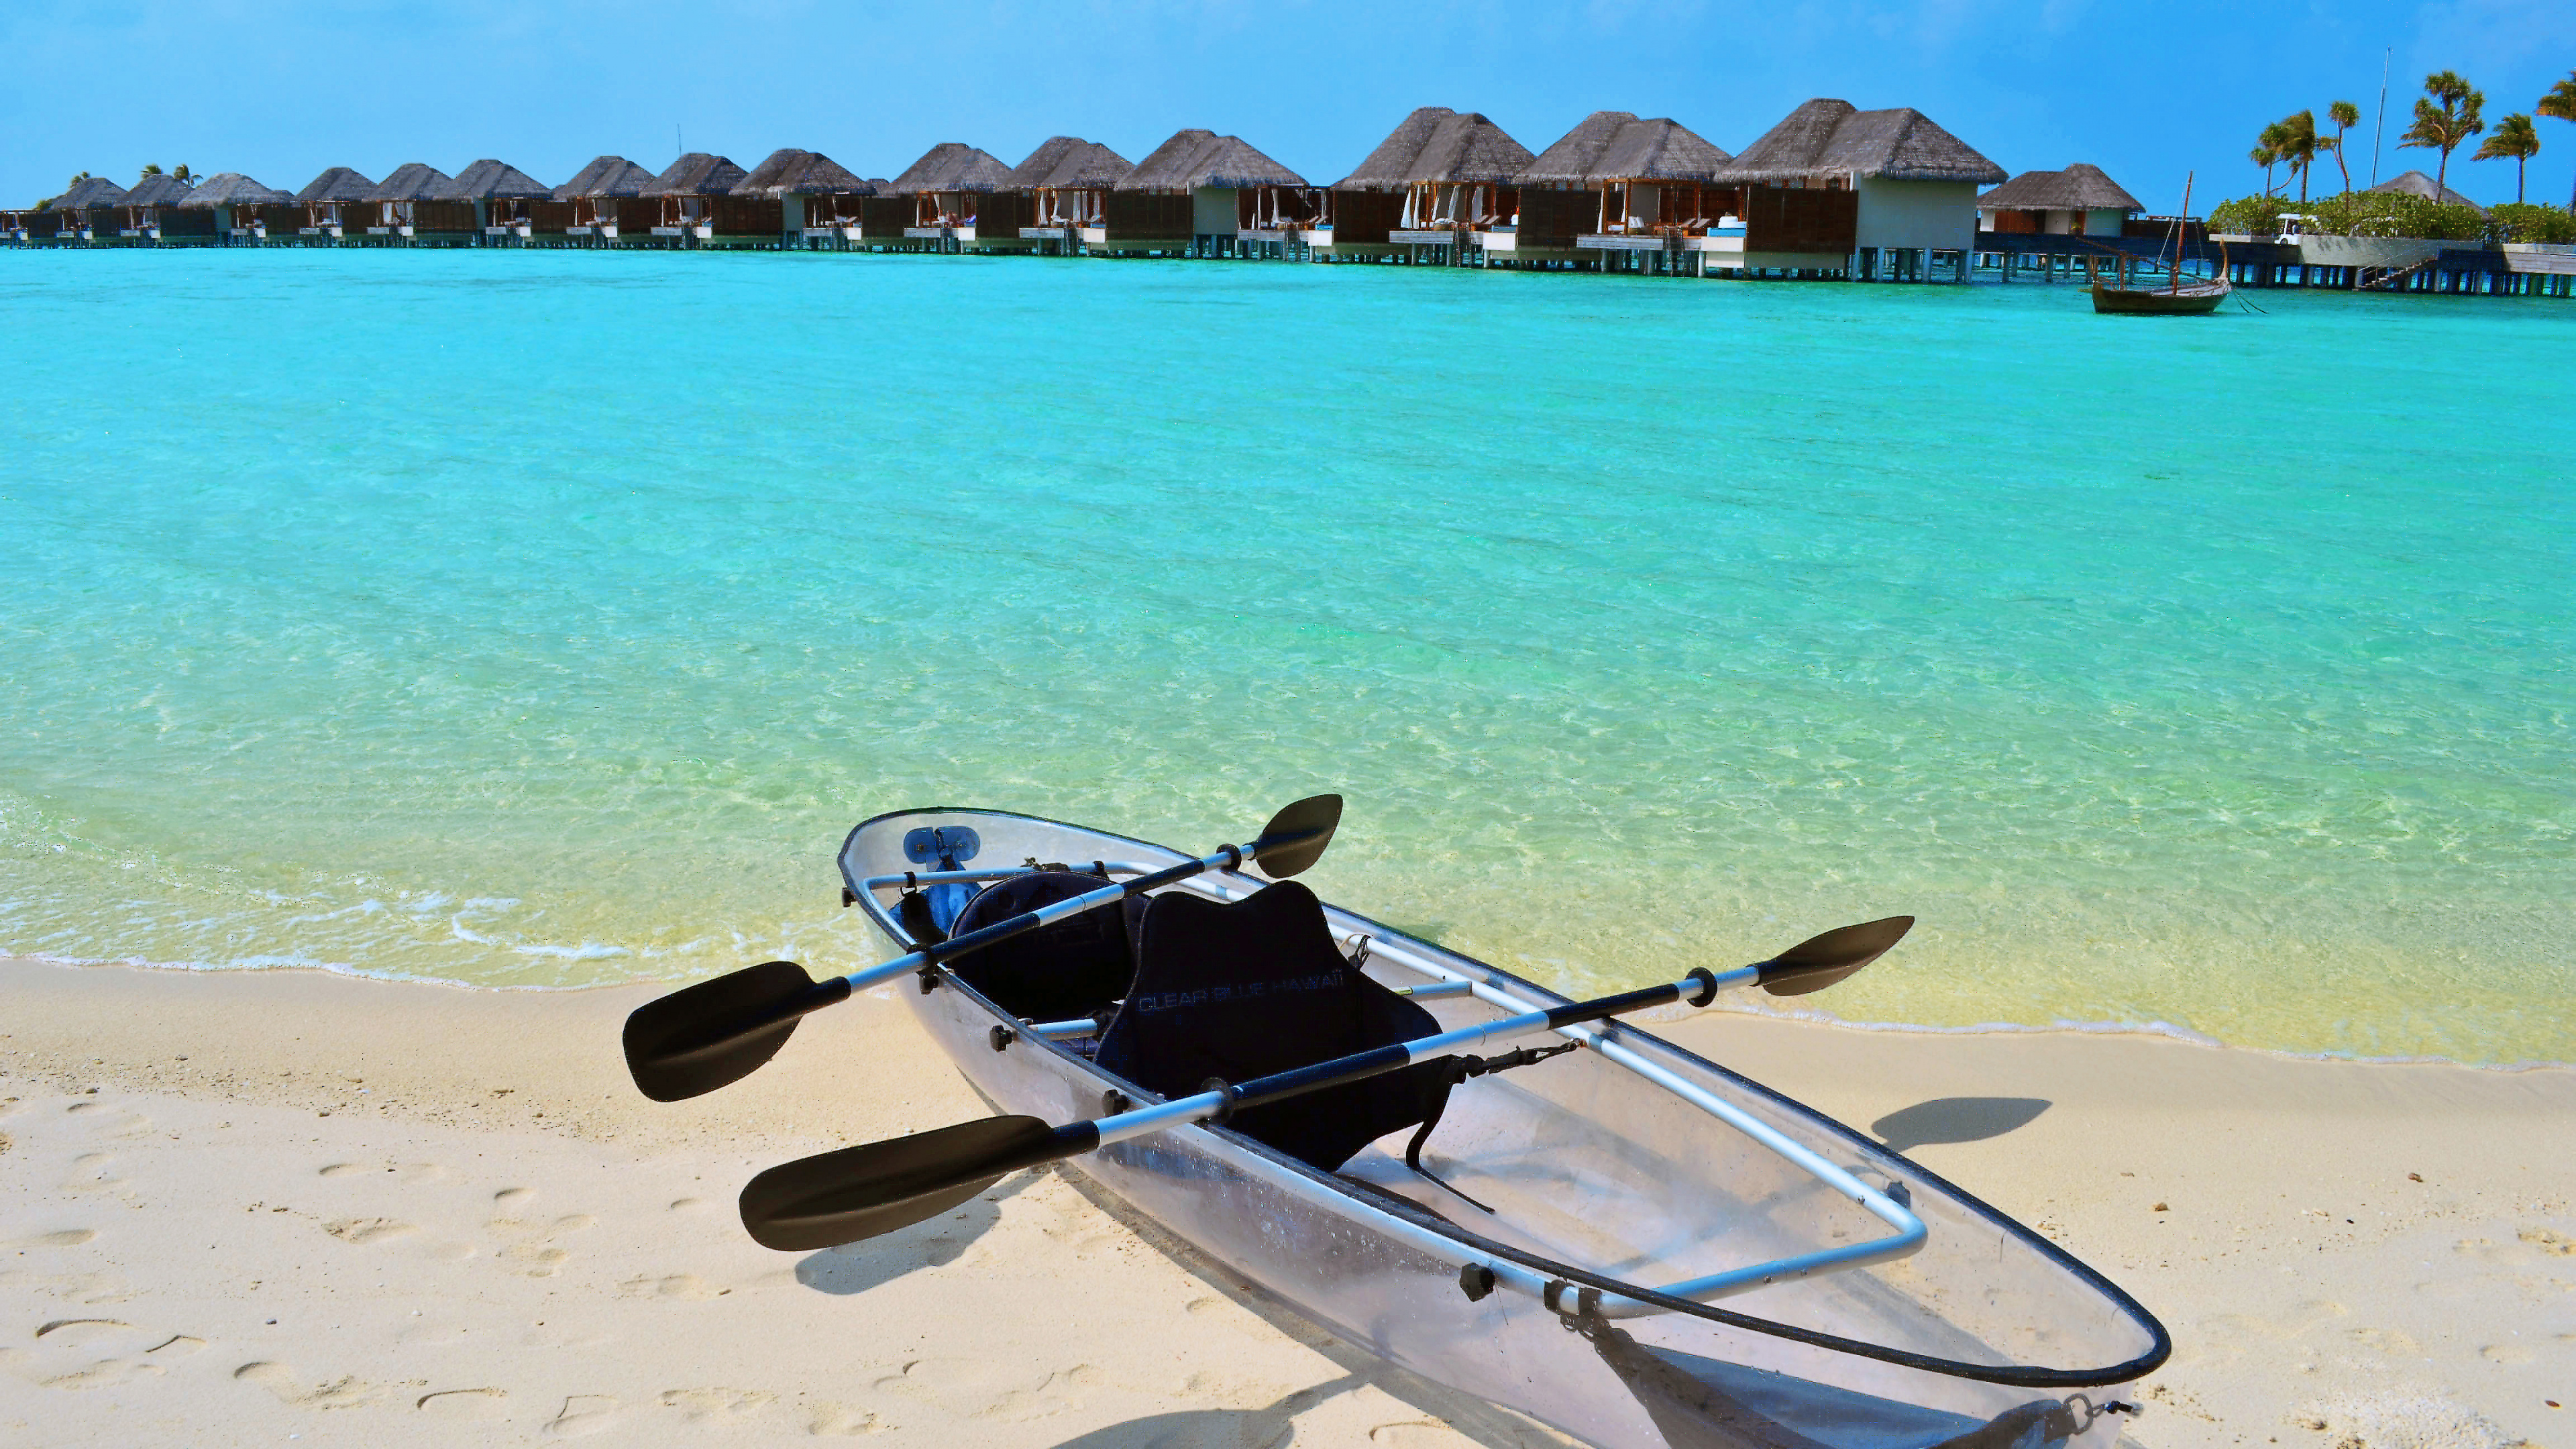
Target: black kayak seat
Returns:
[1242, 989]
[1061, 970]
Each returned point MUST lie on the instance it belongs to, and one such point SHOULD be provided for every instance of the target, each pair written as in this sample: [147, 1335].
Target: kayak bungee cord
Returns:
[717, 1032]
[877, 1187]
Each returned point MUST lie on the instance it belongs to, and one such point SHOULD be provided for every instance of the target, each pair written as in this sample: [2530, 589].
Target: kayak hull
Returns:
[1587, 1162]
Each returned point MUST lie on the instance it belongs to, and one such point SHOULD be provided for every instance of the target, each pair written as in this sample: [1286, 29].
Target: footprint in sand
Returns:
[700, 1405]
[109, 1120]
[94, 1172]
[541, 1253]
[687, 1287]
[583, 1414]
[363, 1231]
[176, 1346]
[59, 1238]
[2556, 1244]
[81, 1332]
[469, 1404]
[830, 1420]
[107, 1373]
[2505, 1353]
[345, 1392]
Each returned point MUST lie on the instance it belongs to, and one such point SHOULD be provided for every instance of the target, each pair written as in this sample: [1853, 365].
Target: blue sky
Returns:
[283, 88]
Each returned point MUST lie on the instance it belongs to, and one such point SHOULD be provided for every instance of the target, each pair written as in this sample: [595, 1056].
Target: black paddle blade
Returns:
[684, 1044]
[859, 1192]
[1301, 832]
[1820, 961]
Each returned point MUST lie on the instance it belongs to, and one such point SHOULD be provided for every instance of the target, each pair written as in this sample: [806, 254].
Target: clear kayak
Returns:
[1627, 1242]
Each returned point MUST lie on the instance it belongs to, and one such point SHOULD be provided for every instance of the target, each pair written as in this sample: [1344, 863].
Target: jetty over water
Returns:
[1830, 192]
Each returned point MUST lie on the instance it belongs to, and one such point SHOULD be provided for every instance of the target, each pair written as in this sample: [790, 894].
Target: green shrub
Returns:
[2386, 213]
[2515, 221]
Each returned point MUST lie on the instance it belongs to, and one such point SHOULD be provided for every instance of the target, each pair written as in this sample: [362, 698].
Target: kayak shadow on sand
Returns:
[1260, 1428]
[1465, 1415]
[858, 1267]
[1956, 1119]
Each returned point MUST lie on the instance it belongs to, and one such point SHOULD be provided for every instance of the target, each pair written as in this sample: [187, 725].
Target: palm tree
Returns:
[182, 174]
[151, 169]
[2560, 105]
[2447, 126]
[2299, 147]
[2267, 151]
[2514, 140]
[77, 179]
[2345, 116]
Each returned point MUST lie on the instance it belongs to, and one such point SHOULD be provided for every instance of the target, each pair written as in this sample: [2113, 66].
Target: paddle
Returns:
[860, 1192]
[717, 1032]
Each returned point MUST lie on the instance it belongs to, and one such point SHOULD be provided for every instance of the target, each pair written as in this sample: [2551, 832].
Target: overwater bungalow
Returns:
[1437, 178]
[331, 201]
[500, 195]
[820, 201]
[2078, 201]
[85, 209]
[1198, 192]
[961, 198]
[408, 206]
[600, 195]
[243, 208]
[694, 194]
[1617, 190]
[1836, 189]
[151, 211]
[1067, 180]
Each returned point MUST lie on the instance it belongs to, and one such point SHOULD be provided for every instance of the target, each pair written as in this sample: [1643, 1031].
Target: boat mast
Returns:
[2181, 229]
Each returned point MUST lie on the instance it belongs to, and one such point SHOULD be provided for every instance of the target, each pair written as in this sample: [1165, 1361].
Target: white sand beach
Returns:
[248, 1208]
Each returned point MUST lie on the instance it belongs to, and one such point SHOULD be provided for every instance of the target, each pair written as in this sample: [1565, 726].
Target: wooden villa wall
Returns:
[1365, 216]
[549, 217]
[746, 215]
[1793, 219]
[442, 216]
[885, 216]
[1149, 215]
[1003, 213]
[1554, 216]
[192, 222]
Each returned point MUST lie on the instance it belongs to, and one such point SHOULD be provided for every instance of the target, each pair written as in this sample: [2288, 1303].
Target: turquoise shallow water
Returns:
[518, 618]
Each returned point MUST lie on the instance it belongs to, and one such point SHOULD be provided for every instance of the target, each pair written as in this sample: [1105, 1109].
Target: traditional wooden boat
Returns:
[2180, 299]
[2195, 297]
[1608, 1233]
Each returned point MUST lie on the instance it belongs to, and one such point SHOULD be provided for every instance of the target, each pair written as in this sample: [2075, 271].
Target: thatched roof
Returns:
[1437, 144]
[697, 174]
[953, 166]
[606, 176]
[790, 172]
[2077, 188]
[161, 190]
[337, 184]
[411, 181]
[1616, 146]
[96, 191]
[1070, 163]
[233, 189]
[1196, 158]
[1834, 138]
[2416, 183]
[490, 180]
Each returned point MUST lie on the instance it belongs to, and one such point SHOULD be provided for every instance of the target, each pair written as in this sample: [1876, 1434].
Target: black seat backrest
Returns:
[1245, 989]
[1059, 971]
